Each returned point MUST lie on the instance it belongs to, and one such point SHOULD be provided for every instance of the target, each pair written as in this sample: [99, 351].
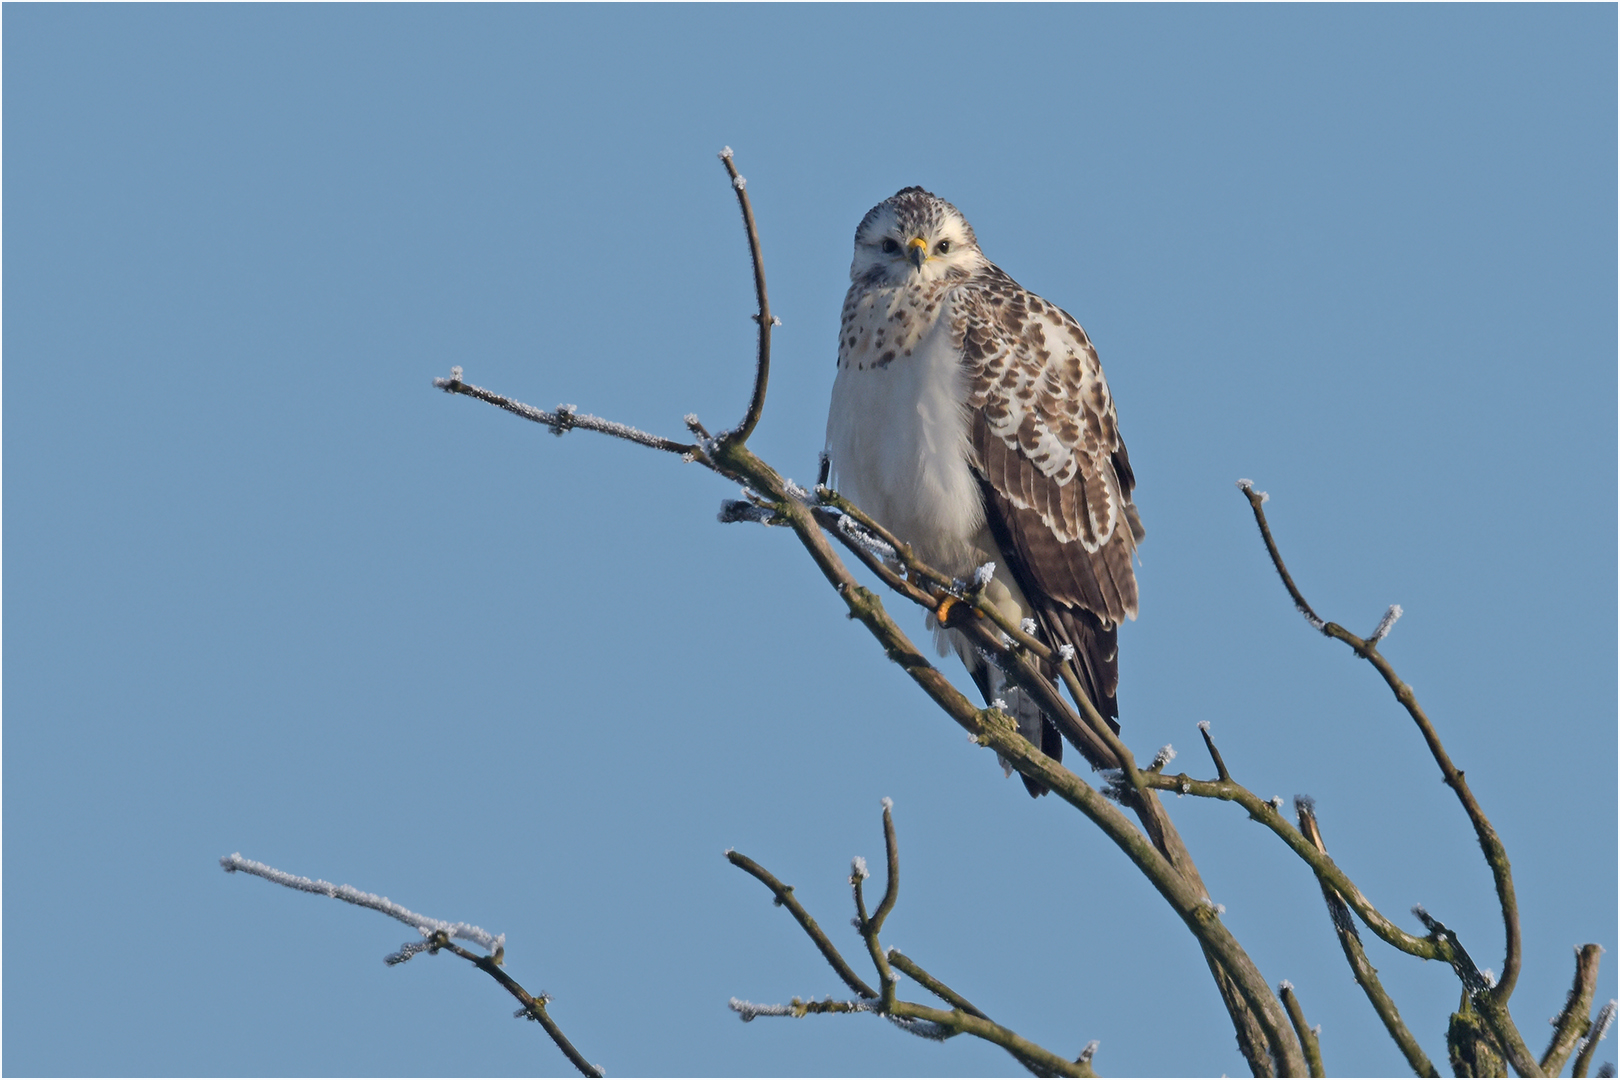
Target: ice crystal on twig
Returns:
[923, 1029]
[857, 868]
[1066, 652]
[852, 529]
[1386, 624]
[422, 924]
[1276, 803]
[1165, 756]
[982, 576]
[455, 373]
[776, 320]
[999, 703]
[406, 951]
[1088, 1053]
[888, 803]
[1027, 626]
[1600, 1027]
[1248, 485]
[748, 1010]
[725, 155]
[1113, 784]
[740, 183]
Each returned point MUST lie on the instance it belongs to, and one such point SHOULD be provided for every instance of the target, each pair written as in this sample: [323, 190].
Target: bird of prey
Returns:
[971, 419]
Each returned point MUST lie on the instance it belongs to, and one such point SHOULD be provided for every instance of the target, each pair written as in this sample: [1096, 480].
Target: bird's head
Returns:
[914, 235]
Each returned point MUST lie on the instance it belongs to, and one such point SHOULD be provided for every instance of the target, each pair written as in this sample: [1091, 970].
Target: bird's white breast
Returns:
[897, 432]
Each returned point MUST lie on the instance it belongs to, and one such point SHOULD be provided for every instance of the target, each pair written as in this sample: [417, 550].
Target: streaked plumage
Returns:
[972, 419]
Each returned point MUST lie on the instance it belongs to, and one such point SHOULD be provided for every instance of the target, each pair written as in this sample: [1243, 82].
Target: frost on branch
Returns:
[422, 924]
[1386, 624]
[1165, 756]
[852, 529]
[983, 575]
[735, 510]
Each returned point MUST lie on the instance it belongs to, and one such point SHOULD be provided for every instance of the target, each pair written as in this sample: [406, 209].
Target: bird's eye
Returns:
[890, 245]
[942, 247]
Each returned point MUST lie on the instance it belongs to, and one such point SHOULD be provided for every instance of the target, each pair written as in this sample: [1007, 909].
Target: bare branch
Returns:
[1307, 1035]
[1572, 1022]
[437, 935]
[1490, 843]
[422, 924]
[785, 898]
[534, 1008]
[1366, 975]
[1600, 1028]
[1214, 754]
[565, 419]
[762, 370]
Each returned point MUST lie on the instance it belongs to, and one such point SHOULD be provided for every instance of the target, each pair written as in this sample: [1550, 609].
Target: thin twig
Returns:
[1307, 1036]
[1490, 843]
[1573, 1021]
[564, 419]
[762, 370]
[533, 1007]
[437, 934]
[1600, 1028]
[1350, 941]
[785, 898]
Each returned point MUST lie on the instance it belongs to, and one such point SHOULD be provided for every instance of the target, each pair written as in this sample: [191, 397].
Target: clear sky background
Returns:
[267, 591]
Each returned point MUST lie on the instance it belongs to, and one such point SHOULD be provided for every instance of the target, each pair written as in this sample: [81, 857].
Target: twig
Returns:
[1572, 1021]
[564, 419]
[422, 924]
[1366, 975]
[437, 935]
[912, 1017]
[785, 898]
[1490, 843]
[762, 370]
[534, 1008]
[1600, 1028]
[1307, 1036]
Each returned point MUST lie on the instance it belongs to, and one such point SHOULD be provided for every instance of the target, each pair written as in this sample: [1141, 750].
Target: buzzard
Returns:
[971, 418]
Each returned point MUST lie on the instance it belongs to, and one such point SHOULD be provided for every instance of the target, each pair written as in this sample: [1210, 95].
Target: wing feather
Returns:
[1056, 477]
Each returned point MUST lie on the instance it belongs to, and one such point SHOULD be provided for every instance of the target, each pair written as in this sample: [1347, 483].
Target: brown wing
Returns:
[1056, 479]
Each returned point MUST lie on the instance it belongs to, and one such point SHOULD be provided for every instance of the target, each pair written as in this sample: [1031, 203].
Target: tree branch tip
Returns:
[983, 574]
[1088, 1053]
[1203, 725]
[888, 804]
[1165, 756]
[1386, 624]
[1284, 985]
[858, 870]
[1247, 487]
[725, 155]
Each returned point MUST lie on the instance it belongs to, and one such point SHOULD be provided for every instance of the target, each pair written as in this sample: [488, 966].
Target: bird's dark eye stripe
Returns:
[890, 245]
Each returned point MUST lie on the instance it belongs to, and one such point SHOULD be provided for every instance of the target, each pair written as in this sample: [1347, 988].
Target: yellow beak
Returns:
[917, 251]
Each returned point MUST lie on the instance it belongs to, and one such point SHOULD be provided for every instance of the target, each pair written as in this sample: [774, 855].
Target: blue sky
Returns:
[267, 591]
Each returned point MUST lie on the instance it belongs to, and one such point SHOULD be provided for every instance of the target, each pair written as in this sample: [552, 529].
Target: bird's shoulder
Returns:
[1032, 372]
